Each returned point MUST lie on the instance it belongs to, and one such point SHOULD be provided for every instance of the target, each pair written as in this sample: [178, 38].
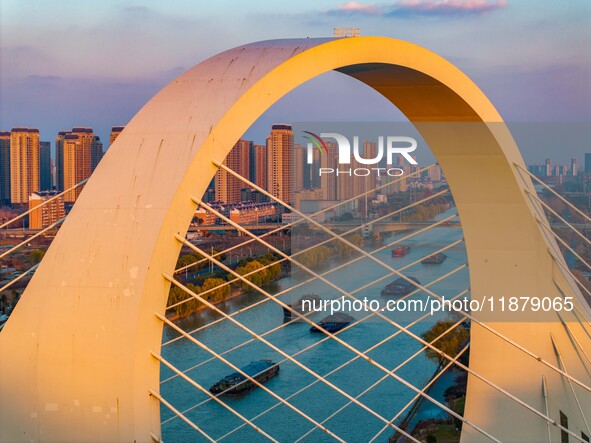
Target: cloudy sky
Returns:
[95, 63]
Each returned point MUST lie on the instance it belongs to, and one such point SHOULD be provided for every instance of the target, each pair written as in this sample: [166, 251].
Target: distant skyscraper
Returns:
[77, 155]
[370, 151]
[244, 153]
[328, 181]
[258, 165]
[353, 185]
[52, 174]
[76, 165]
[311, 177]
[548, 168]
[279, 164]
[96, 153]
[24, 164]
[227, 187]
[588, 163]
[345, 184]
[4, 168]
[44, 166]
[59, 160]
[300, 167]
[71, 172]
[115, 131]
[252, 172]
[574, 169]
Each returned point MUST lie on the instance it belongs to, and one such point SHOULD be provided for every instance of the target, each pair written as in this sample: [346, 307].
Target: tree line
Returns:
[214, 289]
[335, 248]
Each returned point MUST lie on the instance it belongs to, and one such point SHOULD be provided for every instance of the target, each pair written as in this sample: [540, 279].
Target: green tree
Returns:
[185, 303]
[175, 295]
[35, 256]
[449, 343]
[188, 259]
[273, 272]
[356, 239]
[216, 295]
[258, 278]
[315, 256]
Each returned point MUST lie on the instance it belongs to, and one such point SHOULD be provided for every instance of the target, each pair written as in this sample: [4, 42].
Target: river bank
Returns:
[235, 291]
[175, 316]
[426, 420]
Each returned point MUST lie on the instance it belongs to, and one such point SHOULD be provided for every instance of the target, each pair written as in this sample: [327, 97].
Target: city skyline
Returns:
[78, 152]
[577, 148]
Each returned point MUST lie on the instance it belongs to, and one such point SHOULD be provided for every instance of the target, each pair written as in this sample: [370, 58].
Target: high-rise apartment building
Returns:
[78, 153]
[24, 164]
[369, 182]
[328, 182]
[115, 131]
[280, 162]
[363, 184]
[47, 214]
[311, 171]
[44, 166]
[300, 168]
[96, 152]
[76, 164]
[556, 173]
[588, 163]
[227, 187]
[574, 169]
[258, 165]
[4, 168]
[59, 160]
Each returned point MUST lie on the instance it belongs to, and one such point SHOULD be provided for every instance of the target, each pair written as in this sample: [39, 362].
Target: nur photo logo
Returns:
[388, 150]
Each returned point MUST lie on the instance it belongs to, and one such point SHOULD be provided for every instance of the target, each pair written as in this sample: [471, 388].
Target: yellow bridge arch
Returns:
[76, 362]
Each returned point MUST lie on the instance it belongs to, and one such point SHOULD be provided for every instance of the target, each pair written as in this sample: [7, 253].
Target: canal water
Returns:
[319, 401]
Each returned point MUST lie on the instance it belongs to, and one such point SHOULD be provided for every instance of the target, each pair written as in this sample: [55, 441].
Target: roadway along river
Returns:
[353, 423]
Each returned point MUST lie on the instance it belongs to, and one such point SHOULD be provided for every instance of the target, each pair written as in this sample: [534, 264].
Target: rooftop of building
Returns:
[281, 126]
[82, 129]
[25, 129]
[42, 194]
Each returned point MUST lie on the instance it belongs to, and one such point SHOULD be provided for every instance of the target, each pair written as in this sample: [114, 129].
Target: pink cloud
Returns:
[450, 6]
[420, 7]
[357, 8]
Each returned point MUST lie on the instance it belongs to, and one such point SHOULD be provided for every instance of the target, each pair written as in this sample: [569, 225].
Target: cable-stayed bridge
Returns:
[82, 353]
